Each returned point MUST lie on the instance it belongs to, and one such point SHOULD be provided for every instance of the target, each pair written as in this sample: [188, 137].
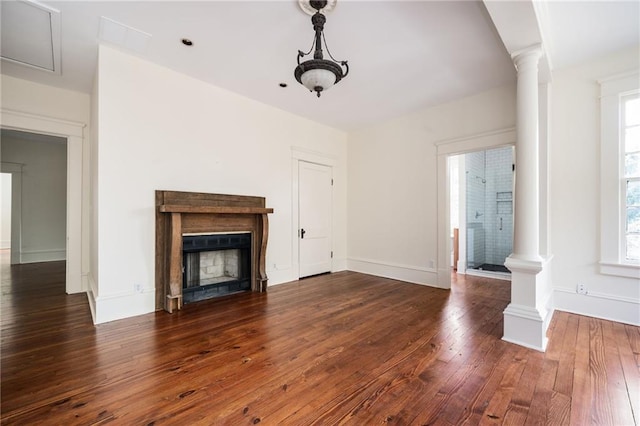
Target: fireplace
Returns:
[215, 265]
[208, 245]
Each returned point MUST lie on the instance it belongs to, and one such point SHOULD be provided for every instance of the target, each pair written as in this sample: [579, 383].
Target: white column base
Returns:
[527, 317]
[525, 326]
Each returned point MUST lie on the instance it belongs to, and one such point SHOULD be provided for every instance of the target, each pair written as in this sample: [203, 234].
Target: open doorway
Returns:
[73, 133]
[34, 196]
[5, 213]
[481, 209]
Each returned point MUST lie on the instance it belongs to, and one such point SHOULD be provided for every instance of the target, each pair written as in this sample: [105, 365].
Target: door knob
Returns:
[302, 232]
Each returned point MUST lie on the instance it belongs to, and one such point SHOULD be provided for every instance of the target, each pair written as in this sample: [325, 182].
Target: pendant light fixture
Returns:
[319, 74]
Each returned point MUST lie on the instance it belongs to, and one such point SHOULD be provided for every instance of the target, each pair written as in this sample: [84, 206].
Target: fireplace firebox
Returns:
[215, 265]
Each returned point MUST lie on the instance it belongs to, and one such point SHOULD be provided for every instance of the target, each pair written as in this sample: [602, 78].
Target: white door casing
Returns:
[445, 148]
[16, 209]
[315, 194]
[74, 133]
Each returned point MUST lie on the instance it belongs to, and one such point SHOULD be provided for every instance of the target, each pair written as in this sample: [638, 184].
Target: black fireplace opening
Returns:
[215, 265]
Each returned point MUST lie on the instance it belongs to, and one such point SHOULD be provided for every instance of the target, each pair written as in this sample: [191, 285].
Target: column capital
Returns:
[533, 52]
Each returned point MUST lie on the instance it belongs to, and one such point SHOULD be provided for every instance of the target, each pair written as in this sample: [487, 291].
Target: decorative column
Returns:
[527, 317]
[526, 220]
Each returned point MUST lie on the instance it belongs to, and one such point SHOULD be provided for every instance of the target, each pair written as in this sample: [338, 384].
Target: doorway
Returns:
[446, 149]
[34, 213]
[5, 216]
[482, 207]
[314, 218]
[11, 211]
[74, 135]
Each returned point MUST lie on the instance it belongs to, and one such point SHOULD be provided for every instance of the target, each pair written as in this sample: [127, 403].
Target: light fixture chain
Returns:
[302, 55]
[326, 47]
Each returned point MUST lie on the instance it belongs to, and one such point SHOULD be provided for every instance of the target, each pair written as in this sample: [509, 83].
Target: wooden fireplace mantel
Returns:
[179, 213]
[169, 208]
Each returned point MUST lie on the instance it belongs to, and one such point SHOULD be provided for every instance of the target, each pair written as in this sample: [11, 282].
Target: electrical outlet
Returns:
[432, 264]
[581, 288]
[137, 288]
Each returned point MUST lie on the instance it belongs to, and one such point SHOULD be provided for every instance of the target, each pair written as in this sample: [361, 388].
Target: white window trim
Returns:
[623, 183]
[612, 260]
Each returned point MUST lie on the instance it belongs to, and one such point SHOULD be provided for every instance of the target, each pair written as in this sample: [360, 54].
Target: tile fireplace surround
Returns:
[179, 213]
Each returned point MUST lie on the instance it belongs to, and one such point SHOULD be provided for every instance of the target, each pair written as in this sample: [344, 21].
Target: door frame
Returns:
[445, 149]
[15, 170]
[74, 133]
[309, 156]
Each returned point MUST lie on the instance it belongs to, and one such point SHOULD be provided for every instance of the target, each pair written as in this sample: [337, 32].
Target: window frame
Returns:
[612, 179]
[624, 179]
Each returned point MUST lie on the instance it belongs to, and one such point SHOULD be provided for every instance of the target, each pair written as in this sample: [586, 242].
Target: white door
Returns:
[314, 218]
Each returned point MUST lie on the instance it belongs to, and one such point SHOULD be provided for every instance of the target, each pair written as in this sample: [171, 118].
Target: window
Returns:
[630, 132]
[620, 176]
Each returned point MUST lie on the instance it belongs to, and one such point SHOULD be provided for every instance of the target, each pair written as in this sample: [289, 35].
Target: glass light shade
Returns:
[318, 77]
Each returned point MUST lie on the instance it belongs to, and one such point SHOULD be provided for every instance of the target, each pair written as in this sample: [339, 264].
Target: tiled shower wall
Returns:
[475, 198]
[499, 205]
[489, 197]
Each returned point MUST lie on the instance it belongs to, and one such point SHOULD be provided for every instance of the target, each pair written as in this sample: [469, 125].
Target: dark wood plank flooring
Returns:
[340, 348]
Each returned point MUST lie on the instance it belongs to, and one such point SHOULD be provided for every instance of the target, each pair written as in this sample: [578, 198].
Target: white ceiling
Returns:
[580, 30]
[403, 55]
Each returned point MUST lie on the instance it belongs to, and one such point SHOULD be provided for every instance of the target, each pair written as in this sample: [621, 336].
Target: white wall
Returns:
[392, 206]
[44, 194]
[159, 129]
[39, 99]
[574, 194]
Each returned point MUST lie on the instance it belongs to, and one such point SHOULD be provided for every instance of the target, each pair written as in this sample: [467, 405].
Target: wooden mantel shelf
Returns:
[175, 208]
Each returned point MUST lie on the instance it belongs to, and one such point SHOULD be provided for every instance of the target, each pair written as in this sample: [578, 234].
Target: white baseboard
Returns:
[125, 305]
[35, 256]
[84, 282]
[338, 265]
[92, 290]
[598, 305]
[5, 244]
[412, 274]
[280, 276]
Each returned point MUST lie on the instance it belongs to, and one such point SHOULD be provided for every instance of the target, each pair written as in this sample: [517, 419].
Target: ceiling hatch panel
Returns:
[30, 35]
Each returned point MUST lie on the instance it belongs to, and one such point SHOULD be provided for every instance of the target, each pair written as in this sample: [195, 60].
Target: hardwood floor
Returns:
[340, 348]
